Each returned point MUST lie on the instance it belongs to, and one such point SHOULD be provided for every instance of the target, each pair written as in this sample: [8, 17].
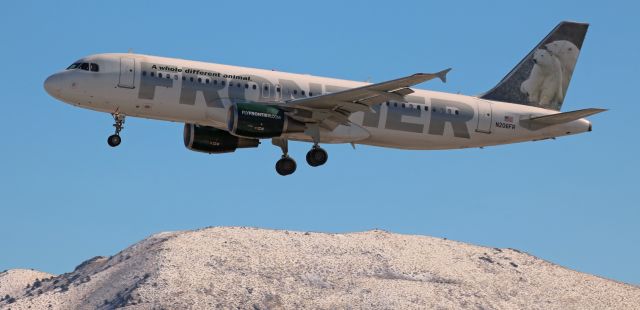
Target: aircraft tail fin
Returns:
[542, 78]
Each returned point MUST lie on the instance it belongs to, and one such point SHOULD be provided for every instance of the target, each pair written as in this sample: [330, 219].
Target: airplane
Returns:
[225, 108]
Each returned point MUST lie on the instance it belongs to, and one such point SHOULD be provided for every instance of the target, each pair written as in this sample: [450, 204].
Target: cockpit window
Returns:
[75, 65]
[85, 66]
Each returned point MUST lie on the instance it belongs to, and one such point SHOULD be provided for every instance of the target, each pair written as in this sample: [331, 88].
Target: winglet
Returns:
[442, 75]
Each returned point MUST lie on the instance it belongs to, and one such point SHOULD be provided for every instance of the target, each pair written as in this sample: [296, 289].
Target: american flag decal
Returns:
[508, 119]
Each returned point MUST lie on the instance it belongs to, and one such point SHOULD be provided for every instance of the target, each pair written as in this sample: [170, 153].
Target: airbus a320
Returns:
[228, 107]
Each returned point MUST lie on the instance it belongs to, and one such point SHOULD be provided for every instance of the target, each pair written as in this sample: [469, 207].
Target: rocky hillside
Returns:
[247, 268]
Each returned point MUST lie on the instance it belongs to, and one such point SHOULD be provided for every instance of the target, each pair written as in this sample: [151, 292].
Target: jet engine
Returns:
[260, 121]
[213, 140]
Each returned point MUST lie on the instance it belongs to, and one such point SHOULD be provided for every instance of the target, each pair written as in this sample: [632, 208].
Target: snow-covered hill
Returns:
[247, 268]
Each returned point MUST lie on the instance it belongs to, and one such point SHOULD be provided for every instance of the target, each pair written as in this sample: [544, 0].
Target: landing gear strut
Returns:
[114, 139]
[286, 165]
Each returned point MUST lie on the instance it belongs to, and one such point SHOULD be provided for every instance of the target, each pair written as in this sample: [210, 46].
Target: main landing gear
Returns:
[286, 165]
[317, 156]
[114, 139]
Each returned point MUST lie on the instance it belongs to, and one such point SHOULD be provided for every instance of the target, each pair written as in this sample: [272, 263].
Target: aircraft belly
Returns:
[414, 141]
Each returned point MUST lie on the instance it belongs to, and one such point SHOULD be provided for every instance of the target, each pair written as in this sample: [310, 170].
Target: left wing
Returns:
[338, 106]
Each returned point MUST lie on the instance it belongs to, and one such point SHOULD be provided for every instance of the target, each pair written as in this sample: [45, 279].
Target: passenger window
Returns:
[295, 91]
[199, 80]
[175, 77]
[302, 92]
[230, 84]
[278, 89]
[254, 86]
[191, 79]
[184, 78]
[144, 73]
[95, 67]
[206, 81]
[266, 87]
[246, 86]
[215, 82]
[222, 82]
[159, 75]
[152, 74]
[310, 94]
[238, 85]
[457, 112]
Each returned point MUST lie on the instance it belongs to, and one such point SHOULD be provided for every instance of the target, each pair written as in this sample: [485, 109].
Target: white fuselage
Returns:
[162, 88]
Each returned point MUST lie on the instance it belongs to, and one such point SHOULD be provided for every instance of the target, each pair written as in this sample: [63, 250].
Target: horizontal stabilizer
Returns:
[565, 117]
[539, 122]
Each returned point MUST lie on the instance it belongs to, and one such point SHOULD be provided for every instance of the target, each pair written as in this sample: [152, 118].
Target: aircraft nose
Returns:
[53, 85]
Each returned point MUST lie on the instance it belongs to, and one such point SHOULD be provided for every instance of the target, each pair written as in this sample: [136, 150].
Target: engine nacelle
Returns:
[213, 140]
[260, 121]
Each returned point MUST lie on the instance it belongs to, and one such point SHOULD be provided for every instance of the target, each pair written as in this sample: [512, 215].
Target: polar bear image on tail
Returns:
[545, 83]
[567, 53]
[531, 87]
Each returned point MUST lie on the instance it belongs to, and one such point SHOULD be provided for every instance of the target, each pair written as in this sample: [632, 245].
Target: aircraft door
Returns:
[127, 72]
[484, 116]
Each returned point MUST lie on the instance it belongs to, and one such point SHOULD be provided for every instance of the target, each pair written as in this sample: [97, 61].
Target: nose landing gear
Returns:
[114, 139]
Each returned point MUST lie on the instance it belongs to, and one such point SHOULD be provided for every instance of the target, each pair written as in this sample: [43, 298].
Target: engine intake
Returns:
[213, 140]
[260, 121]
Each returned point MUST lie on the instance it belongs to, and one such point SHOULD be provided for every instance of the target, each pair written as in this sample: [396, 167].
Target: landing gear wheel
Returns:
[114, 140]
[317, 156]
[286, 166]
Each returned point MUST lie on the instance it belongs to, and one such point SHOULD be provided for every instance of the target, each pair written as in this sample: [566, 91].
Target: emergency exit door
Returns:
[127, 72]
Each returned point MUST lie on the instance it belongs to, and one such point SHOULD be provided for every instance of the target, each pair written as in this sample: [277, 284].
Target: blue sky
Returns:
[66, 196]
